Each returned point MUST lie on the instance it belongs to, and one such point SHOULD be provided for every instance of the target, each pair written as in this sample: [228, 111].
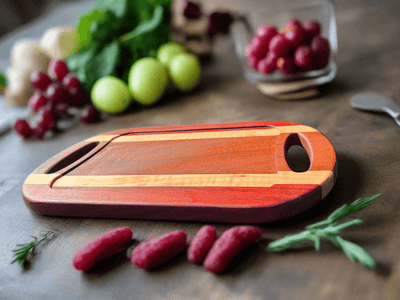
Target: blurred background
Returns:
[15, 13]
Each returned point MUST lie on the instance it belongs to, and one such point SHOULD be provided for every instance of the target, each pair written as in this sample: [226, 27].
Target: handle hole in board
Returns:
[73, 157]
[297, 157]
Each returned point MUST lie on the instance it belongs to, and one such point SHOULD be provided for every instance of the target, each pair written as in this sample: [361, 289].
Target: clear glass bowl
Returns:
[277, 84]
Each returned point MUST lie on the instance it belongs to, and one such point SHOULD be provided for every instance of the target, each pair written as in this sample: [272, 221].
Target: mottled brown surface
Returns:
[367, 146]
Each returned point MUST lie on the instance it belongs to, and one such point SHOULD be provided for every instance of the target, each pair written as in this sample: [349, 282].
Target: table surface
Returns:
[367, 146]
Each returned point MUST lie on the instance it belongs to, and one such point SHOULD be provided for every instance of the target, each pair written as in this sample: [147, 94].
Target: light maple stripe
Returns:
[195, 180]
[204, 135]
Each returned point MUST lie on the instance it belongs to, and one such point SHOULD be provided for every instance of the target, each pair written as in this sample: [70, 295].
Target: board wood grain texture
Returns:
[235, 172]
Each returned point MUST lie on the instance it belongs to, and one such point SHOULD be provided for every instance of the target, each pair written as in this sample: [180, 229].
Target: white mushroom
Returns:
[26, 57]
[60, 42]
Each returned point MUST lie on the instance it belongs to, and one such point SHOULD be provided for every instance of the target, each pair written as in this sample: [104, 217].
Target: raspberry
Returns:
[229, 245]
[149, 255]
[23, 128]
[191, 10]
[279, 45]
[285, 65]
[201, 244]
[303, 56]
[100, 248]
[58, 69]
[296, 37]
[37, 101]
[312, 28]
[268, 64]
[40, 81]
[90, 115]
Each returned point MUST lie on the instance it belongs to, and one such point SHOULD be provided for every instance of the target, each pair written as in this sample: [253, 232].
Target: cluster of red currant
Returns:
[54, 94]
[297, 48]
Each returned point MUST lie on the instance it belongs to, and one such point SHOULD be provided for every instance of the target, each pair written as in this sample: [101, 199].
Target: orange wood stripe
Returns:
[197, 135]
[295, 129]
[195, 180]
[204, 135]
[40, 178]
[101, 138]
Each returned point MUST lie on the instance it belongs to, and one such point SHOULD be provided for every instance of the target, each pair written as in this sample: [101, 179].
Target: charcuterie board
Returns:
[234, 172]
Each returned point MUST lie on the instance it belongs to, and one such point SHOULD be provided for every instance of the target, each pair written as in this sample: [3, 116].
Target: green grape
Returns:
[110, 95]
[185, 71]
[148, 79]
[167, 51]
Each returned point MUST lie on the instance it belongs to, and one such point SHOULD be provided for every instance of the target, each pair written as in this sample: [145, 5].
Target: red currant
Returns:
[58, 69]
[312, 28]
[55, 93]
[37, 101]
[296, 37]
[279, 45]
[40, 81]
[293, 24]
[47, 121]
[253, 62]
[268, 64]
[303, 56]
[266, 33]
[191, 10]
[90, 115]
[285, 65]
[23, 128]
[219, 22]
[320, 46]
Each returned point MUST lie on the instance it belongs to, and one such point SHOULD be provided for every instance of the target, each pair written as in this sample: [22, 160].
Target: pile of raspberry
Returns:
[55, 93]
[297, 48]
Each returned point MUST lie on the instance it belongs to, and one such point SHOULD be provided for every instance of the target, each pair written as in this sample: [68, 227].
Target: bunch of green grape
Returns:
[148, 79]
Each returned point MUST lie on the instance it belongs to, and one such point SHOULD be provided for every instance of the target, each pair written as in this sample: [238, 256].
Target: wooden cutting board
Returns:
[235, 172]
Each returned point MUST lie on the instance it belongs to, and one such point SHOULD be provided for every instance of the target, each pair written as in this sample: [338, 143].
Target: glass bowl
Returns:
[289, 86]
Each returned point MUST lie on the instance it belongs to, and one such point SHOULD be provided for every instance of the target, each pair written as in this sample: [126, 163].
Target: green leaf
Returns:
[147, 26]
[104, 63]
[352, 208]
[84, 27]
[3, 81]
[355, 252]
[118, 7]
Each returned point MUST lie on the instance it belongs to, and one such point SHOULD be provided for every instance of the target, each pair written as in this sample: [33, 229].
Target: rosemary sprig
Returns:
[330, 229]
[22, 252]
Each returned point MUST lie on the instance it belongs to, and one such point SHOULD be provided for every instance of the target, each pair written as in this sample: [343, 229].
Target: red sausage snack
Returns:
[229, 244]
[201, 244]
[100, 248]
[149, 255]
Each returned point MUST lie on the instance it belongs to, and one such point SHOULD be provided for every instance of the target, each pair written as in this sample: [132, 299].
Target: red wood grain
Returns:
[179, 166]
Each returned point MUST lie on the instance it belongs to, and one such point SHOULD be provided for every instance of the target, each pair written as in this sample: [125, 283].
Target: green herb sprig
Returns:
[330, 229]
[22, 252]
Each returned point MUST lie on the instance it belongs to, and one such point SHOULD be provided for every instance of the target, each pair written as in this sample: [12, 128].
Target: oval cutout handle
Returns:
[72, 157]
[323, 164]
